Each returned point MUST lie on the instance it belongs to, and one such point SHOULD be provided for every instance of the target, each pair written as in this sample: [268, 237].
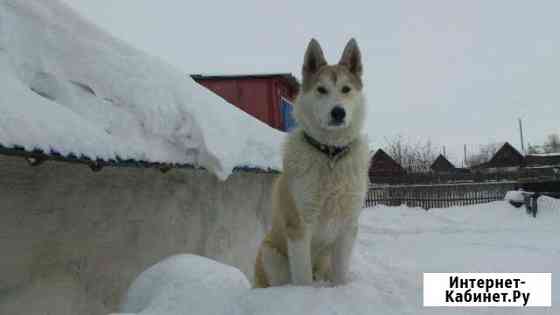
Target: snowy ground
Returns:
[70, 88]
[395, 246]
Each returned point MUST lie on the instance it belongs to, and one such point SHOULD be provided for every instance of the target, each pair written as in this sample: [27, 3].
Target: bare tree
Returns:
[552, 144]
[534, 149]
[414, 157]
[484, 154]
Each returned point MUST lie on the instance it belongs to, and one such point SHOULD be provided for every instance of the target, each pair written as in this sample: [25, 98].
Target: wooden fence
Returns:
[438, 195]
[523, 174]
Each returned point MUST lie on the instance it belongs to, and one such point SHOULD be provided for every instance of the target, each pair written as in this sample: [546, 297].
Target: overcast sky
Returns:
[455, 72]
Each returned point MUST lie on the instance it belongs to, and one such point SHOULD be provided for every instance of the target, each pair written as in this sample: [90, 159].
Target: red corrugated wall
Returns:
[259, 97]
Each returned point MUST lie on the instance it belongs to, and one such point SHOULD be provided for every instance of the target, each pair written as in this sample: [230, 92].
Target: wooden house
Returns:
[382, 165]
[442, 165]
[506, 159]
[550, 160]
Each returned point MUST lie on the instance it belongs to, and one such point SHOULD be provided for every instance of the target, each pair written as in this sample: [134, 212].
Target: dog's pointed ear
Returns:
[352, 57]
[314, 58]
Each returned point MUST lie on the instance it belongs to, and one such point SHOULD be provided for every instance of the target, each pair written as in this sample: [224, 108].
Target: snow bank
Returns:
[548, 206]
[68, 87]
[395, 246]
[189, 283]
[515, 196]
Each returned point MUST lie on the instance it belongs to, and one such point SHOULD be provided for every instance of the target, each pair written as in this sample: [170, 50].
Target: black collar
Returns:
[334, 153]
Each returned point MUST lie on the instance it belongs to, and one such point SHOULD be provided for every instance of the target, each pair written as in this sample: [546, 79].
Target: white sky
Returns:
[455, 72]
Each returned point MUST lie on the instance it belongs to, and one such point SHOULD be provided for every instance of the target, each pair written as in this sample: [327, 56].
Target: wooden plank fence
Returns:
[438, 195]
[524, 174]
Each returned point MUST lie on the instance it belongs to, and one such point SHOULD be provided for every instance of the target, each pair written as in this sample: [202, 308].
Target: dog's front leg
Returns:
[299, 255]
[299, 228]
[342, 253]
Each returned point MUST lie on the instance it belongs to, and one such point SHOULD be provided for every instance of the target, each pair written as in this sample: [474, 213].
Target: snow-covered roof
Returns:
[544, 154]
[70, 89]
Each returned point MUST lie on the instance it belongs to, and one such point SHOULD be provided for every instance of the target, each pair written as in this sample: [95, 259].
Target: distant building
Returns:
[506, 159]
[382, 165]
[442, 165]
[550, 160]
[259, 95]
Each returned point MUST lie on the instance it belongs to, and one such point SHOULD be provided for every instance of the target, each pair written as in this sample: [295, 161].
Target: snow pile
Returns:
[395, 246]
[68, 87]
[203, 285]
[515, 196]
[548, 206]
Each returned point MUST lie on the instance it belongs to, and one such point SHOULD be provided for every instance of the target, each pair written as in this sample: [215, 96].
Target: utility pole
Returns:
[445, 155]
[465, 158]
[521, 136]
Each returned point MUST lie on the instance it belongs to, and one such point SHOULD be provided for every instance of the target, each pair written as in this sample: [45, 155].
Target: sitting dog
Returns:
[319, 196]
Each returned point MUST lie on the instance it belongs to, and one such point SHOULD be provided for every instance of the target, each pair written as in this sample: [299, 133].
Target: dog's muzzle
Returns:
[338, 115]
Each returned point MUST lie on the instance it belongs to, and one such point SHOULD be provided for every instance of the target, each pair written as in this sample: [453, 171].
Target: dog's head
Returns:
[330, 106]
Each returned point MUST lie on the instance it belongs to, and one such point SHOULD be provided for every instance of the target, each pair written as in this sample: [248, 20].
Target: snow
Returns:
[204, 285]
[515, 196]
[68, 87]
[394, 247]
[545, 154]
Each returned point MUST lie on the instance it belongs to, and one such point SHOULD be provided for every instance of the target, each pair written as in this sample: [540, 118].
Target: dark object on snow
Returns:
[531, 201]
[516, 204]
[531, 204]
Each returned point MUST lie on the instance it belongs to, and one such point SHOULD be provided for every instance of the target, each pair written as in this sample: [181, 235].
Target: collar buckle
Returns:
[334, 153]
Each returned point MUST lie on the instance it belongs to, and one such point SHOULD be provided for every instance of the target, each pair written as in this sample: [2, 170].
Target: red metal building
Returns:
[257, 94]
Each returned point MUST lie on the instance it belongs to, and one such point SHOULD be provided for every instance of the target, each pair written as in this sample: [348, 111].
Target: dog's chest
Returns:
[340, 189]
[339, 193]
[328, 194]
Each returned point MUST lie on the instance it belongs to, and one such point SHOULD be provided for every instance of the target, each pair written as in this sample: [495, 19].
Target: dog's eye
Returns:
[322, 90]
[346, 89]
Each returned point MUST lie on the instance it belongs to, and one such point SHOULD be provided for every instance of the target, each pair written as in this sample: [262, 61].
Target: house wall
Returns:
[259, 97]
[494, 170]
[71, 240]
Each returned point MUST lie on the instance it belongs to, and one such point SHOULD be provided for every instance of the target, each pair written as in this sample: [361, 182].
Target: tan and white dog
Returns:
[319, 196]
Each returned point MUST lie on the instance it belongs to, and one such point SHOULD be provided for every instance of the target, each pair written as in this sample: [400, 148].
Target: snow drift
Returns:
[70, 88]
[395, 246]
[206, 286]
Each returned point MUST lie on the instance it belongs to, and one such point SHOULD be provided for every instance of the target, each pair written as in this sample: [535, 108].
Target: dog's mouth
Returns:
[337, 124]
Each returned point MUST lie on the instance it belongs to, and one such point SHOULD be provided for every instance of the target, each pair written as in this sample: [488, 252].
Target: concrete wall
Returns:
[71, 240]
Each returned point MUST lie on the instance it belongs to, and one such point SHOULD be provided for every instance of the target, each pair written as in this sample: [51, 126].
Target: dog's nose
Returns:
[338, 114]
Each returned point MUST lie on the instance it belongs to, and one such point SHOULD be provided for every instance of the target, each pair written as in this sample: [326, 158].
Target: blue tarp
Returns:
[288, 121]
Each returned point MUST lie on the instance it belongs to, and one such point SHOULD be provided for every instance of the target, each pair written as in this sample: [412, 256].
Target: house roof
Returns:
[382, 160]
[95, 107]
[442, 164]
[38, 157]
[506, 156]
[287, 77]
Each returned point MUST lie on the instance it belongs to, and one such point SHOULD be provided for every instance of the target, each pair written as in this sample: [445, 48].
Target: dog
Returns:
[317, 200]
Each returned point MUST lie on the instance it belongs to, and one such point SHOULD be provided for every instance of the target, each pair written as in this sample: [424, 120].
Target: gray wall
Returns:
[71, 240]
